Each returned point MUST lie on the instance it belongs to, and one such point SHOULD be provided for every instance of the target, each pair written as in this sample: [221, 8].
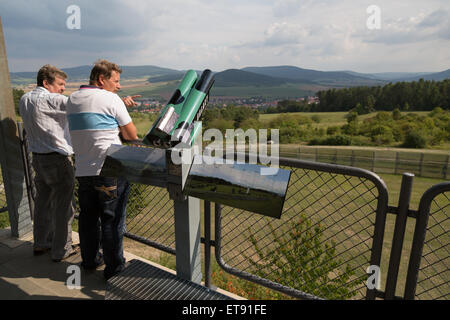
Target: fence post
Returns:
[399, 233]
[374, 160]
[421, 164]
[444, 169]
[396, 162]
[10, 154]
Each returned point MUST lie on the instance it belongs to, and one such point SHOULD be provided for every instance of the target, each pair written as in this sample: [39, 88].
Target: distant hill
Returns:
[236, 78]
[83, 72]
[438, 76]
[253, 80]
[275, 76]
[331, 78]
[131, 72]
[388, 76]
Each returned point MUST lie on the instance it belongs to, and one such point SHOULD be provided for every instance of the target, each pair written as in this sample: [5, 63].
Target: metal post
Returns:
[207, 226]
[187, 215]
[399, 233]
[10, 154]
[187, 239]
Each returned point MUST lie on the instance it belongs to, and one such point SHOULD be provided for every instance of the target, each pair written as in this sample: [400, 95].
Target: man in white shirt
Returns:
[96, 116]
[43, 111]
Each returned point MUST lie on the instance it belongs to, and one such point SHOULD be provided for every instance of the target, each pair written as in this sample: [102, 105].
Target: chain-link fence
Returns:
[322, 244]
[428, 272]
[434, 274]
[332, 229]
[150, 217]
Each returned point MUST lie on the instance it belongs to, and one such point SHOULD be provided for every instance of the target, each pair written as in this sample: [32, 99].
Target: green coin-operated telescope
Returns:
[178, 121]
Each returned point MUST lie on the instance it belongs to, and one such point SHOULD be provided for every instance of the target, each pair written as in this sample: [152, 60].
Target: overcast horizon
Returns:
[325, 35]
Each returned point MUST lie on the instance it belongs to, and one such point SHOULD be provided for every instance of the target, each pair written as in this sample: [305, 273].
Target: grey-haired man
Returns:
[43, 111]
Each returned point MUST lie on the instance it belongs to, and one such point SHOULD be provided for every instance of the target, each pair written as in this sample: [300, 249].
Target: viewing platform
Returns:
[24, 276]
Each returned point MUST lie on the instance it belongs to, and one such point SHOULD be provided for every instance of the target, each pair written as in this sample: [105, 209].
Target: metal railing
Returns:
[428, 271]
[332, 229]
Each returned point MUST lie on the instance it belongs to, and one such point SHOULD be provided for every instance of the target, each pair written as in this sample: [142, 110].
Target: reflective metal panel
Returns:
[137, 164]
[238, 185]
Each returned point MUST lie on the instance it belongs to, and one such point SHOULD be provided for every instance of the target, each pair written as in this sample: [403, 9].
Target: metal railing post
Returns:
[187, 218]
[399, 233]
[207, 227]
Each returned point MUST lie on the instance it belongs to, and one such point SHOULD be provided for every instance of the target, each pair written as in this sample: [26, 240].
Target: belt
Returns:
[45, 154]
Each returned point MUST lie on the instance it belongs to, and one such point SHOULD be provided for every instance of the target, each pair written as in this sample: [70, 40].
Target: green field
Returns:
[327, 119]
[286, 91]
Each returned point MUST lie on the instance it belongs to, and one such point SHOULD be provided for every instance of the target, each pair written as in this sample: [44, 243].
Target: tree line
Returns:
[406, 96]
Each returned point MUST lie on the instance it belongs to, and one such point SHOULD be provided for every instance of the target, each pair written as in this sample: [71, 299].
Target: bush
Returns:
[303, 260]
[316, 118]
[337, 140]
[333, 130]
[414, 140]
[381, 135]
[4, 220]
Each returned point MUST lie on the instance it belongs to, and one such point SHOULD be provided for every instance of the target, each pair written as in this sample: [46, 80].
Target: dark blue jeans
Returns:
[102, 217]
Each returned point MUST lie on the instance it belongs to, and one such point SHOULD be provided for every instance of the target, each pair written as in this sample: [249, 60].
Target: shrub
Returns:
[333, 130]
[414, 139]
[4, 220]
[396, 115]
[337, 140]
[316, 118]
[381, 134]
[304, 261]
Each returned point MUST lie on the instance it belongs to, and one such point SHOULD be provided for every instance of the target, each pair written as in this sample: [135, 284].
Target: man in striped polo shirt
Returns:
[96, 116]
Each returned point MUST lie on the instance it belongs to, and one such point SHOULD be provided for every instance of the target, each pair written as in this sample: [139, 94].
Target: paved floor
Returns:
[25, 276]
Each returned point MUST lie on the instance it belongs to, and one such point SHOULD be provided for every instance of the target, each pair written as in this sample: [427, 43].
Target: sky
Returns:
[327, 35]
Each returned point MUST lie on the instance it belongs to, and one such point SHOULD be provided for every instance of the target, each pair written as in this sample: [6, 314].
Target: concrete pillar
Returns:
[10, 153]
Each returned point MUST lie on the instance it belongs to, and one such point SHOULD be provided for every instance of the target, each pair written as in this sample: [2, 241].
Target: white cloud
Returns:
[284, 33]
[420, 28]
[218, 34]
